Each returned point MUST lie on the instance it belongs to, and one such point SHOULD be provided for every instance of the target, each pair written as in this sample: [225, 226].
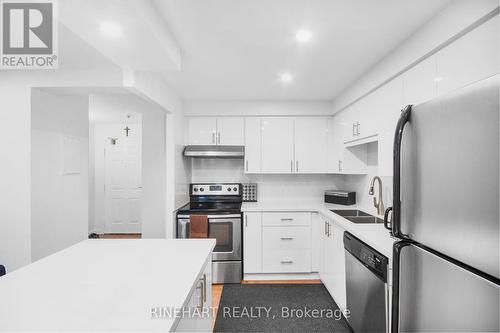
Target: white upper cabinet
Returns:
[360, 121]
[349, 123]
[367, 118]
[253, 145]
[311, 139]
[202, 130]
[335, 145]
[227, 131]
[344, 160]
[277, 145]
[388, 103]
[230, 131]
[470, 58]
[419, 82]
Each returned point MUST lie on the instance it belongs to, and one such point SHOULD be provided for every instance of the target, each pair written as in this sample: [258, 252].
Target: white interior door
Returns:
[123, 180]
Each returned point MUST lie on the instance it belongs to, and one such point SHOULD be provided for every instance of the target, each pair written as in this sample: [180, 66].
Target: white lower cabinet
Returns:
[286, 238]
[279, 219]
[287, 261]
[317, 231]
[199, 304]
[286, 249]
[277, 242]
[252, 242]
[332, 272]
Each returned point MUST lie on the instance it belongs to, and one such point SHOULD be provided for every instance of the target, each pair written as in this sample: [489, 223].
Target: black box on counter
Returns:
[340, 197]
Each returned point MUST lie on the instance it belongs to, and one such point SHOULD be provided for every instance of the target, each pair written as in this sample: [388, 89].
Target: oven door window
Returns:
[222, 232]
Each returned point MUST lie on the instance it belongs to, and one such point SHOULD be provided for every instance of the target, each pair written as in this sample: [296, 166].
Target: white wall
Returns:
[15, 133]
[59, 201]
[154, 174]
[178, 173]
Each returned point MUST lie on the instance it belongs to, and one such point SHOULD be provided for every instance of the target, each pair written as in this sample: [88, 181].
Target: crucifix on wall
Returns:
[126, 129]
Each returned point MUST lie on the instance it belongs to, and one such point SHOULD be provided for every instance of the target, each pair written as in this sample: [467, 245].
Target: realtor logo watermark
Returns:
[29, 35]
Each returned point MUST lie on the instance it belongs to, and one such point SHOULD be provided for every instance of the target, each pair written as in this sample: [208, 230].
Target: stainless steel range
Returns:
[222, 205]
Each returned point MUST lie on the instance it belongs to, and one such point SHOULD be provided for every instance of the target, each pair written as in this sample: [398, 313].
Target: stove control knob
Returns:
[202, 189]
[229, 189]
[235, 189]
[196, 189]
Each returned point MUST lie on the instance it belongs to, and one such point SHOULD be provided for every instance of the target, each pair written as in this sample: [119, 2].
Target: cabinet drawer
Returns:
[286, 218]
[286, 238]
[287, 261]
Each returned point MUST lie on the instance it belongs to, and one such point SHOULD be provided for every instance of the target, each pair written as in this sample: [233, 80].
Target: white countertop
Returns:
[374, 235]
[103, 285]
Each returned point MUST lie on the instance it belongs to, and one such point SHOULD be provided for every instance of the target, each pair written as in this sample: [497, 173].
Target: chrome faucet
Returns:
[380, 204]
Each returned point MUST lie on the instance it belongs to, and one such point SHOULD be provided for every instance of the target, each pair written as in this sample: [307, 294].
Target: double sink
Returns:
[357, 216]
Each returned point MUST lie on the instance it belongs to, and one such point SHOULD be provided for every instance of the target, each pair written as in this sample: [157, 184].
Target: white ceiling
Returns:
[144, 41]
[236, 49]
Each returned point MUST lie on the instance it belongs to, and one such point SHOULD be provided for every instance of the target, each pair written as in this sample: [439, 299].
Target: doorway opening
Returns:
[115, 133]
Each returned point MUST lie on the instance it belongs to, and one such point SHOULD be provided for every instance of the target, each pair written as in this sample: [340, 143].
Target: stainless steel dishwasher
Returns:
[366, 281]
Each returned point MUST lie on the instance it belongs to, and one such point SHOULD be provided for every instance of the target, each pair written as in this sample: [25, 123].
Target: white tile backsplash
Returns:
[270, 187]
[292, 187]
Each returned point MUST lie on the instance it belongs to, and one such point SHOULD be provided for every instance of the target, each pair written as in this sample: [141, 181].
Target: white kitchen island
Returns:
[111, 285]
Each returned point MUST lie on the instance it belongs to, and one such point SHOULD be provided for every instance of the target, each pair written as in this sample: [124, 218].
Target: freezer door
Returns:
[450, 175]
[435, 295]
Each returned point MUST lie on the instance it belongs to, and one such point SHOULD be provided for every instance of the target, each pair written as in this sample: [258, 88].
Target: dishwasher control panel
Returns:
[368, 256]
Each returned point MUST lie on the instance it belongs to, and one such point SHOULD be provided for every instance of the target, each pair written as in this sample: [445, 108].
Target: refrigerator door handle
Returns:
[398, 137]
[396, 254]
[386, 218]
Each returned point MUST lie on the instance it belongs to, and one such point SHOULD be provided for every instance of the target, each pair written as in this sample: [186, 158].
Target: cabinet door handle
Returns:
[357, 128]
[213, 137]
[246, 165]
[329, 226]
[353, 129]
[200, 287]
[297, 166]
[291, 166]
[246, 220]
[286, 262]
[340, 165]
[286, 238]
[287, 219]
[326, 228]
[218, 138]
[204, 284]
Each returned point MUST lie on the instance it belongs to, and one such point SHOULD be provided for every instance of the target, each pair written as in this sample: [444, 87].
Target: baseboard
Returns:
[311, 278]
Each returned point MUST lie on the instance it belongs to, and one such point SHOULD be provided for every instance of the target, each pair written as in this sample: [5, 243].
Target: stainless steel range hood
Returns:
[215, 151]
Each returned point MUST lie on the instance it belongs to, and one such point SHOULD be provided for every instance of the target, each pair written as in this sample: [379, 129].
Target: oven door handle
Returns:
[215, 217]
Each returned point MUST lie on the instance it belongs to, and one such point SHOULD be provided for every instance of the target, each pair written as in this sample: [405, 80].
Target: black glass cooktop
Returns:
[211, 208]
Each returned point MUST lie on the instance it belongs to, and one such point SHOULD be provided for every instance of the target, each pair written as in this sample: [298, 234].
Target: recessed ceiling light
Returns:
[303, 35]
[110, 29]
[286, 78]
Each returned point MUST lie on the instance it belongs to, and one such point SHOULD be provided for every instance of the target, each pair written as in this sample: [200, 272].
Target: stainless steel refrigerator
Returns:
[446, 213]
